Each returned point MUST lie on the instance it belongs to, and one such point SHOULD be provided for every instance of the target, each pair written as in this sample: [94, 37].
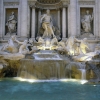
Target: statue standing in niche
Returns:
[47, 25]
[11, 23]
[86, 22]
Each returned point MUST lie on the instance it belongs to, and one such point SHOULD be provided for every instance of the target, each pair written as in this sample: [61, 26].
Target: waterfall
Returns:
[41, 69]
[83, 71]
[26, 70]
[75, 70]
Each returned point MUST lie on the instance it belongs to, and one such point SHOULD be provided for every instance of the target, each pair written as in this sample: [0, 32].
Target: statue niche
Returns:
[12, 24]
[47, 30]
[87, 22]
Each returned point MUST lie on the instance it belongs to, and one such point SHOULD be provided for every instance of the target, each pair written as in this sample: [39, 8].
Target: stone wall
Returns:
[67, 16]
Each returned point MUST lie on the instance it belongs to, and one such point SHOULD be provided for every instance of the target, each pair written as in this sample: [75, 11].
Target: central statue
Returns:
[47, 25]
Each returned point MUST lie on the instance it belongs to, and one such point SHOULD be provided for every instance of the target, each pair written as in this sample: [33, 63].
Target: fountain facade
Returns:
[50, 39]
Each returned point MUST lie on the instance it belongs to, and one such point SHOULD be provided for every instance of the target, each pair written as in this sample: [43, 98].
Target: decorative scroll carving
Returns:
[86, 2]
[11, 3]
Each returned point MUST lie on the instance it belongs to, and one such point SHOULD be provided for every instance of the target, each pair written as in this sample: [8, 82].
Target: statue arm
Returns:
[51, 21]
[82, 18]
[30, 45]
[12, 17]
[77, 40]
[18, 41]
[42, 18]
[91, 17]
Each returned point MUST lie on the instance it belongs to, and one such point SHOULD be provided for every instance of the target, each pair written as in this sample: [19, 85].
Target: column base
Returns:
[34, 39]
[64, 39]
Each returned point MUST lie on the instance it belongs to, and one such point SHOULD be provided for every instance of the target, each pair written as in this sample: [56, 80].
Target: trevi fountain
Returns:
[49, 49]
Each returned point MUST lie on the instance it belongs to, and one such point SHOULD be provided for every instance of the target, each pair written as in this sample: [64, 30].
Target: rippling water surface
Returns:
[12, 89]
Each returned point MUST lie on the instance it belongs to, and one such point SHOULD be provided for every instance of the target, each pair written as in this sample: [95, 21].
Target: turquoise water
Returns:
[11, 89]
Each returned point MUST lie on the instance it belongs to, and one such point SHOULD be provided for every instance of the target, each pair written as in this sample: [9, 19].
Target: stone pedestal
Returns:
[64, 23]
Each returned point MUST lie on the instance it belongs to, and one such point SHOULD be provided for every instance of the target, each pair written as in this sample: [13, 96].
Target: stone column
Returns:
[64, 23]
[33, 23]
[96, 19]
[39, 15]
[73, 17]
[99, 17]
[29, 21]
[24, 18]
[1, 18]
[59, 20]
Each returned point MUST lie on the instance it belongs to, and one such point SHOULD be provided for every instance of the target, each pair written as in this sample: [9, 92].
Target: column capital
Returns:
[65, 3]
[32, 3]
[33, 7]
[64, 7]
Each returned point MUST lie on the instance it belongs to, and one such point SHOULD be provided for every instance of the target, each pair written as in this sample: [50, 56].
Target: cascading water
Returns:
[42, 69]
[83, 71]
[26, 69]
[76, 70]
[49, 65]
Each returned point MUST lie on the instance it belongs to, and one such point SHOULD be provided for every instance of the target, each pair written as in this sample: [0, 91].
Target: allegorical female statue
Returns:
[11, 23]
[86, 22]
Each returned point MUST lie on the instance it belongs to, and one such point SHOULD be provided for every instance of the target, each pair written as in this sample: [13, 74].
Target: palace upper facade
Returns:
[79, 18]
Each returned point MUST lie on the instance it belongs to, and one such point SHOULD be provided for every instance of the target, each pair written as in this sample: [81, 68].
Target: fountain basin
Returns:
[12, 89]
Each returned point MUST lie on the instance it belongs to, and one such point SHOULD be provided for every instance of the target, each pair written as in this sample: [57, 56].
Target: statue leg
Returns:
[51, 31]
[89, 27]
[21, 49]
[44, 25]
